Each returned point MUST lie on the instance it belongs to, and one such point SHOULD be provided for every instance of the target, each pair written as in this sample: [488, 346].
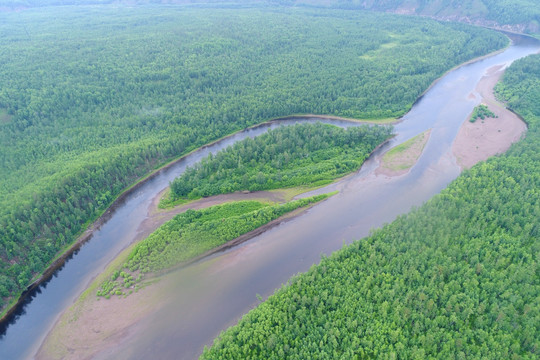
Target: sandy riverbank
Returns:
[95, 325]
[474, 142]
[482, 139]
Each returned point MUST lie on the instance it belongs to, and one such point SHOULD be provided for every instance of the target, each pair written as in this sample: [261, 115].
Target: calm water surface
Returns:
[211, 295]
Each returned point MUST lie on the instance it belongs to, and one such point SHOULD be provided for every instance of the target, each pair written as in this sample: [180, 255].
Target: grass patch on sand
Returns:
[405, 155]
[481, 112]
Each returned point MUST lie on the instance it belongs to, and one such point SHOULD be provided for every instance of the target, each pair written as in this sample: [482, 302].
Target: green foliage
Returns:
[303, 154]
[38, 3]
[481, 112]
[193, 233]
[102, 95]
[504, 12]
[457, 278]
[521, 89]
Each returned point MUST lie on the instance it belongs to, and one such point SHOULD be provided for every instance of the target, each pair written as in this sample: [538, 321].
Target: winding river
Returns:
[207, 297]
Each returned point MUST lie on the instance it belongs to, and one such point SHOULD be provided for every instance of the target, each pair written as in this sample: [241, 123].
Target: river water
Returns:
[207, 297]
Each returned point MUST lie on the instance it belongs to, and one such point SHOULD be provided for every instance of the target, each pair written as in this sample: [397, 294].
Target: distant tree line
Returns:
[502, 12]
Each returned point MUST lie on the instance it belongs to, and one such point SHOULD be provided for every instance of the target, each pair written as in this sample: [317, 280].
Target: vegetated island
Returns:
[455, 278]
[191, 234]
[305, 155]
[160, 85]
[400, 159]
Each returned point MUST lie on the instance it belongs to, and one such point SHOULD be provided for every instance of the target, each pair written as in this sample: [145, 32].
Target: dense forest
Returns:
[24, 4]
[193, 233]
[299, 155]
[102, 95]
[457, 278]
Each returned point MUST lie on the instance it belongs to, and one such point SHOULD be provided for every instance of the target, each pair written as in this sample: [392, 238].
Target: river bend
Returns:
[213, 294]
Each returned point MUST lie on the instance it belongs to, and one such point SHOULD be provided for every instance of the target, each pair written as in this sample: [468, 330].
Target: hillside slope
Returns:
[521, 16]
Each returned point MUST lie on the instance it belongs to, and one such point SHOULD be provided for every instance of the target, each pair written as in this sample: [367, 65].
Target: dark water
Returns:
[211, 295]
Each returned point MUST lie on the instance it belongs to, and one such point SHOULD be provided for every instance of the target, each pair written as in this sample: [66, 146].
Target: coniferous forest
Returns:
[456, 278]
[299, 155]
[99, 97]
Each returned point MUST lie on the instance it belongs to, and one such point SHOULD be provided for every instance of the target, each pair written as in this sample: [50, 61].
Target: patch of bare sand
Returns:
[482, 139]
[93, 325]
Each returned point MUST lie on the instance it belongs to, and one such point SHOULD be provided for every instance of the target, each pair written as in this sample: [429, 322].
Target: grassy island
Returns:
[191, 234]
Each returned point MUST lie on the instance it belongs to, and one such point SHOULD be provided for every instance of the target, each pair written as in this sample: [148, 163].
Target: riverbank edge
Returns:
[86, 234]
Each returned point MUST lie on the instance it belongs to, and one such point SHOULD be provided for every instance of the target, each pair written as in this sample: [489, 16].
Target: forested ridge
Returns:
[97, 98]
[299, 155]
[518, 15]
[457, 278]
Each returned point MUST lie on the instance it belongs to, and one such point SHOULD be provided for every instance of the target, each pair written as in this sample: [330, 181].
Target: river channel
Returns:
[211, 295]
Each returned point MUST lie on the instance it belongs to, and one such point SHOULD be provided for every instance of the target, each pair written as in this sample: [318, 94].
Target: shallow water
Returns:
[211, 295]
